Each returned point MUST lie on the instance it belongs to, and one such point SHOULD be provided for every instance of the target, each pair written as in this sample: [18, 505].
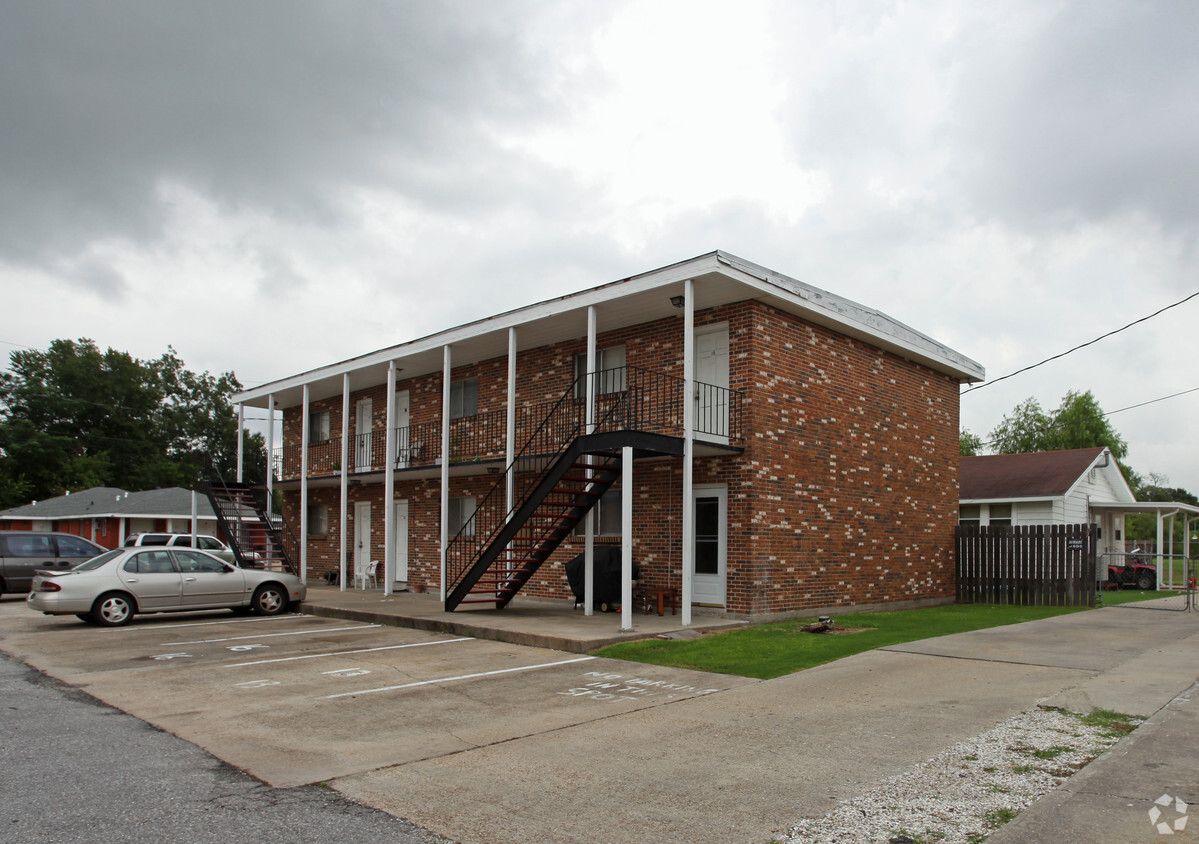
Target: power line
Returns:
[1080, 346]
[1110, 412]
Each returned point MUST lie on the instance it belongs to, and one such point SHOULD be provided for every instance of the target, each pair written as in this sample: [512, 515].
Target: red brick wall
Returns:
[846, 493]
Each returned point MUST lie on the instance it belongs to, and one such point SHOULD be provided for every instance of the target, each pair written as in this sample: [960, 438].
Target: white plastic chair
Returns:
[368, 573]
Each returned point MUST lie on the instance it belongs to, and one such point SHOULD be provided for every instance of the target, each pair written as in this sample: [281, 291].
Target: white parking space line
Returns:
[307, 632]
[348, 653]
[152, 628]
[460, 677]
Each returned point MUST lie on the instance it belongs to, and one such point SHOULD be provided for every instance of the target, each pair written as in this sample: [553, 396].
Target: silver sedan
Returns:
[111, 588]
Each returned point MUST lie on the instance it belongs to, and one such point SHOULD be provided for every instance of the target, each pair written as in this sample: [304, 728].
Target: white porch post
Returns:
[445, 462]
[195, 519]
[510, 438]
[343, 567]
[589, 523]
[626, 538]
[304, 489]
[241, 440]
[389, 484]
[270, 450]
[688, 562]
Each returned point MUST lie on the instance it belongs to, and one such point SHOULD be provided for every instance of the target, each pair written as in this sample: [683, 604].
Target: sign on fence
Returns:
[1028, 565]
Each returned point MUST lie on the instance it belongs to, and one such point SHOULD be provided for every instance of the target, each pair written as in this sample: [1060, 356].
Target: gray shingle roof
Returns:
[173, 502]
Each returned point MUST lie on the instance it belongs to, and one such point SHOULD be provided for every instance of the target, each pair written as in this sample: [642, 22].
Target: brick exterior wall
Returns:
[846, 493]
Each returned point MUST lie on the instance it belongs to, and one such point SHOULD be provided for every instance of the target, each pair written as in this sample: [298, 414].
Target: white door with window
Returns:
[400, 521]
[710, 552]
[363, 447]
[402, 433]
[712, 382]
[362, 536]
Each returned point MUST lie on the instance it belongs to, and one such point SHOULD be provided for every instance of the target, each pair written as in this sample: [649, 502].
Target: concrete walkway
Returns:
[526, 621]
[816, 737]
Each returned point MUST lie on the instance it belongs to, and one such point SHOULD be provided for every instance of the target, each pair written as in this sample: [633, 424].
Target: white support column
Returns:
[270, 450]
[688, 447]
[304, 489]
[445, 461]
[626, 538]
[342, 561]
[589, 519]
[510, 436]
[389, 484]
[195, 526]
[241, 440]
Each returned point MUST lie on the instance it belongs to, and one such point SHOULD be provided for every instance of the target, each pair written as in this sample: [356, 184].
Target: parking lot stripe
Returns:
[270, 635]
[460, 677]
[348, 653]
[151, 628]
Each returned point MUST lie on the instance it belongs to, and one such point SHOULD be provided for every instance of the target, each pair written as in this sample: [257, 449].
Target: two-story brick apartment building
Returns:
[754, 442]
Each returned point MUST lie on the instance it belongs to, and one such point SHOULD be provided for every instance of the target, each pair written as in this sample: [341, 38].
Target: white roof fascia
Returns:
[1145, 506]
[1111, 471]
[501, 322]
[822, 307]
[1010, 500]
[868, 324]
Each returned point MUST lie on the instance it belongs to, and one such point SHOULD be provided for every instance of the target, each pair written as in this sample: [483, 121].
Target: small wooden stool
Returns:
[663, 596]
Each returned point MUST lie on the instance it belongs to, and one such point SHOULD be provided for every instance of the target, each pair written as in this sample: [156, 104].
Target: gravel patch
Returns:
[967, 792]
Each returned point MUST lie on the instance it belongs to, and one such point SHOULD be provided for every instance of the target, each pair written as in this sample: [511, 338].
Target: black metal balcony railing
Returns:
[627, 398]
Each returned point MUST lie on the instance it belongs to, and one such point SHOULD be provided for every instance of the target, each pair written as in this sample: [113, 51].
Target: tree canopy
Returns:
[1078, 422]
[73, 417]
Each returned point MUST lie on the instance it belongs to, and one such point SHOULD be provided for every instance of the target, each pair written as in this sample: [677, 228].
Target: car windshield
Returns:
[96, 562]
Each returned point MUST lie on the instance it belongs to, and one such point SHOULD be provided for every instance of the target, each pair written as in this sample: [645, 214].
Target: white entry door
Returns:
[403, 433]
[362, 536]
[710, 554]
[712, 382]
[401, 540]
[363, 447]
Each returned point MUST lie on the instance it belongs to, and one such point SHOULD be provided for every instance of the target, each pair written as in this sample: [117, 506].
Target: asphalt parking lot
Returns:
[296, 699]
[483, 741]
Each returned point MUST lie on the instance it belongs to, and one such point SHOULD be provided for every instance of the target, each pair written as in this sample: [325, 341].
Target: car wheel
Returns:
[1146, 582]
[269, 600]
[113, 609]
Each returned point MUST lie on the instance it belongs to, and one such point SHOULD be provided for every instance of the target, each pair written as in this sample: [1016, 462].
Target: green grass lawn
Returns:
[772, 650]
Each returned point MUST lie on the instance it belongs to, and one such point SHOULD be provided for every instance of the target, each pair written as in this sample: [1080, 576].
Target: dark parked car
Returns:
[24, 551]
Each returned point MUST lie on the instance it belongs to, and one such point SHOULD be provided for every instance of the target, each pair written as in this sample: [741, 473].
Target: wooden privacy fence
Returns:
[1029, 565]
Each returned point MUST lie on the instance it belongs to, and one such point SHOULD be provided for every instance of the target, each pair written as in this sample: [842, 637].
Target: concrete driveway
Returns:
[490, 742]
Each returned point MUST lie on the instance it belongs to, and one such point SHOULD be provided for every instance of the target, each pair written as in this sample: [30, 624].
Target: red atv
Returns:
[1135, 573]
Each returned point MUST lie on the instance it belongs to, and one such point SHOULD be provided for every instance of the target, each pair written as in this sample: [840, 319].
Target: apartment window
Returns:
[464, 398]
[607, 516]
[999, 515]
[318, 520]
[318, 426]
[461, 510]
[609, 365]
[970, 514]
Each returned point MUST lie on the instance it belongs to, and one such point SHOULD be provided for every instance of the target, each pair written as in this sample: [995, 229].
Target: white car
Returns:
[204, 542]
[110, 589]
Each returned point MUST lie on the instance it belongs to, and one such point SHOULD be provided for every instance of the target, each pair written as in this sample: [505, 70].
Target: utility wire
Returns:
[1080, 346]
[1068, 423]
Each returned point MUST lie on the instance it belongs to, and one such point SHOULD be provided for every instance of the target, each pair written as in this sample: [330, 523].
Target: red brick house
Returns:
[106, 515]
[754, 442]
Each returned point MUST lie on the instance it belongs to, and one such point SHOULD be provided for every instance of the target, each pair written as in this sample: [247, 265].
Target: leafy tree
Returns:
[73, 417]
[970, 445]
[1078, 422]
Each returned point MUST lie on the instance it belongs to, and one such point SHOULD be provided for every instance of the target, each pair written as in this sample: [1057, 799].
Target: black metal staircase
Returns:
[557, 477]
[256, 541]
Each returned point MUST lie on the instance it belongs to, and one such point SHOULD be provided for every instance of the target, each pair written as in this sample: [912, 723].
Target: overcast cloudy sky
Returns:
[273, 186]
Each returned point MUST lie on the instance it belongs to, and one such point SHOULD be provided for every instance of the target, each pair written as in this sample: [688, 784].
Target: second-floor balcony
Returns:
[627, 398]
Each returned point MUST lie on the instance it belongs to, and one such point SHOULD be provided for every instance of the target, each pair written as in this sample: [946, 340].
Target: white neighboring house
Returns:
[1076, 486]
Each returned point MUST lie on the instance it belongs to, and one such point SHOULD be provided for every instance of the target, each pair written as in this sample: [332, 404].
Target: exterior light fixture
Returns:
[678, 301]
